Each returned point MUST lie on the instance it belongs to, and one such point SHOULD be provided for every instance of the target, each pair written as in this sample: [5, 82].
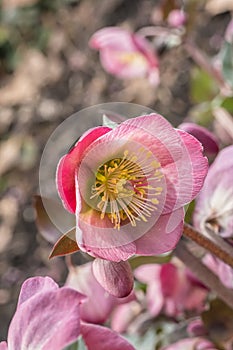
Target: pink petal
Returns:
[112, 37]
[49, 320]
[196, 163]
[207, 138]
[215, 199]
[99, 303]
[164, 236]
[102, 338]
[169, 279]
[3, 345]
[123, 315]
[191, 344]
[147, 273]
[115, 277]
[35, 285]
[150, 274]
[68, 164]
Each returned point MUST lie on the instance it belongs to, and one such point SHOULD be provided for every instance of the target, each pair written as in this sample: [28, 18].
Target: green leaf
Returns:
[203, 86]
[108, 122]
[227, 62]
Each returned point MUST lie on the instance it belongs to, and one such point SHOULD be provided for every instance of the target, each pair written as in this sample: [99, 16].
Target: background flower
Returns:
[214, 205]
[171, 288]
[125, 54]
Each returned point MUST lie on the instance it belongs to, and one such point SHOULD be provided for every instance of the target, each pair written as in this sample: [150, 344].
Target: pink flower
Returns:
[219, 268]
[214, 205]
[125, 54]
[127, 187]
[207, 138]
[99, 304]
[176, 18]
[171, 288]
[191, 344]
[48, 318]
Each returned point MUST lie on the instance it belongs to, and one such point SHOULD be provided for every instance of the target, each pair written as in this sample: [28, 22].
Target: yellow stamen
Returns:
[125, 188]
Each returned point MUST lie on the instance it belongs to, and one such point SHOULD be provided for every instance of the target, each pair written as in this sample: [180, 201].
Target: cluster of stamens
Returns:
[125, 188]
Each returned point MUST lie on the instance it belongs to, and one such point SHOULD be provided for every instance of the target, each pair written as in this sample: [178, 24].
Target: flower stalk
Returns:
[214, 244]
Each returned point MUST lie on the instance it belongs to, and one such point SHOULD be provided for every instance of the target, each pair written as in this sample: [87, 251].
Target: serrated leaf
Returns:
[65, 245]
[108, 122]
[227, 62]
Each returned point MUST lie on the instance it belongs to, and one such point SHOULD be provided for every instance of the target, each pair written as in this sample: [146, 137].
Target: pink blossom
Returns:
[207, 138]
[99, 304]
[214, 205]
[219, 268]
[125, 54]
[192, 344]
[127, 187]
[171, 289]
[48, 318]
[176, 18]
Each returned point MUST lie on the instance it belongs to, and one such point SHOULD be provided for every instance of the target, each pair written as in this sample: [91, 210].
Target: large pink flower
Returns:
[127, 187]
[171, 289]
[125, 54]
[48, 318]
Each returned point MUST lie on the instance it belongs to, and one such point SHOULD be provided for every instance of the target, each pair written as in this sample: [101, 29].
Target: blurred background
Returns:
[48, 72]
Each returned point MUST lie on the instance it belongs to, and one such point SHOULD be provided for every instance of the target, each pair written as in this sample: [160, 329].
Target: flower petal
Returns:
[3, 345]
[103, 338]
[65, 177]
[48, 320]
[99, 304]
[115, 277]
[164, 236]
[207, 138]
[35, 285]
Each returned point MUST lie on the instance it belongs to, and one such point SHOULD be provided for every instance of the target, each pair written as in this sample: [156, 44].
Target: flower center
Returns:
[126, 188]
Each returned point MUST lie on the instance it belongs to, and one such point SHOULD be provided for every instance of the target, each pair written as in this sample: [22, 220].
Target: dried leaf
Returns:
[65, 245]
[45, 226]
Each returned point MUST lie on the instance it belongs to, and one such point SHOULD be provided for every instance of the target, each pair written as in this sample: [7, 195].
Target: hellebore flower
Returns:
[48, 318]
[99, 304]
[206, 137]
[214, 205]
[192, 344]
[127, 187]
[171, 288]
[125, 54]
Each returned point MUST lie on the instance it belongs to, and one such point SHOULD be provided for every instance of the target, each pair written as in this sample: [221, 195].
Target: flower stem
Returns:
[215, 245]
[207, 277]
